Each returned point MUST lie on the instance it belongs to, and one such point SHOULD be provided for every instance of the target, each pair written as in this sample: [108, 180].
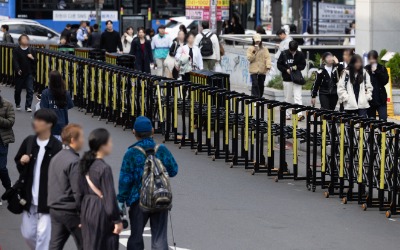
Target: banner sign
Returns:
[83, 15]
[334, 18]
[200, 9]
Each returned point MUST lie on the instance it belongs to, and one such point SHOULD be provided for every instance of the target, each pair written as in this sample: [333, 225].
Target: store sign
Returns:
[200, 9]
[69, 15]
[334, 18]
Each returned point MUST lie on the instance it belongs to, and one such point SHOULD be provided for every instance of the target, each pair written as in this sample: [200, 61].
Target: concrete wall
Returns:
[377, 25]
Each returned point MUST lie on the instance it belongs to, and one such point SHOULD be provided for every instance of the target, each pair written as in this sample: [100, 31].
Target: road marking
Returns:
[124, 240]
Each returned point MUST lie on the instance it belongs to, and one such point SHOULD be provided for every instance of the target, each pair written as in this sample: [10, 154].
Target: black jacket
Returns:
[287, 60]
[379, 78]
[22, 62]
[142, 59]
[67, 34]
[110, 41]
[174, 47]
[94, 39]
[324, 83]
[27, 171]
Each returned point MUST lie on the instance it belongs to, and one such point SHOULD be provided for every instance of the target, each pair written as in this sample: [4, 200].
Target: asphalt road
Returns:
[218, 208]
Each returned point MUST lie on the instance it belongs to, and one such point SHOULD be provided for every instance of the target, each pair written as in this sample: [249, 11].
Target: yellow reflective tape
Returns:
[176, 107]
[66, 75]
[114, 97]
[53, 63]
[253, 131]
[269, 132]
[60, 65]
[323, 157]
[208, 116]
[85, 81]
[133, 97]
[123, 92]
[99, 87]
[159, 102]
[295, 121]
[234, 124]
[383, 160]
[246, 127]
[192, 94]
[341, 164]
[142, 99]
[47, 70]
[107, 90]
[92, 85]
[75, 78]
[360, 155]
[226, 122]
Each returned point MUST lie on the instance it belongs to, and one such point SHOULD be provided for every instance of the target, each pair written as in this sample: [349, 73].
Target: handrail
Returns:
[291, 35]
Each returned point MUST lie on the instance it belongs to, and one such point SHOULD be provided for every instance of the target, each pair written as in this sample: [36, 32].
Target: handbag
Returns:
[15, 196]
[169, 62]
[295, 75]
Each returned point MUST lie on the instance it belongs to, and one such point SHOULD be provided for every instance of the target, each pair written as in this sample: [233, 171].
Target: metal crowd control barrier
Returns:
[352, 157]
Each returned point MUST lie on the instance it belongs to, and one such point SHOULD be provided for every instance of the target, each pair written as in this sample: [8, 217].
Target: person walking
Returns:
[208, 43]
[284, 44]
[94, 37]
[127, 39]
[141, 49]
[7, 38]
[67, 33]
[160, 45]
[130, 183]
[7, 119]
[326, 82]
[24, 64]
[188, 57]
[100, 217]
[57, 98]
[82, 34]
[178, 42]
[289, 61]
[355, 88]
[379, 78]
[110, 40]
[33, 160]
[63, 185]
[260, 64]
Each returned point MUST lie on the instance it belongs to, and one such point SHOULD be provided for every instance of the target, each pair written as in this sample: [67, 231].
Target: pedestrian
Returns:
[353, 33]
[326, 81]
[141, 49]
[379, 78]
[57, 98]
[193, 57]
[150, 33]
[67, 33]
[284, 44]
[160, 45]
[130, 183]
[307, 40]
[208, 43]
[63, 41]
[289, 61]
[63, 190]
[182, 27]
[260, 64]
[33, 160]
[110, 40]
[355, 88]
[169, 63]
[82, 34]
[7, 38]
[24, 63]
[7, 119]
[94, 37]
[127, 39]
[234, 27]
[100, 217]
[293, 31]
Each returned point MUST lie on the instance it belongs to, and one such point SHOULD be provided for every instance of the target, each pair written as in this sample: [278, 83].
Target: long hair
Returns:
[353, 71]
[57, 89]
[97, 138]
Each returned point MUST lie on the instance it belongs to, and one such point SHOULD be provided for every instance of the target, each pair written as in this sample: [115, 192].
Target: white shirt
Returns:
[36, 170]
[197, 58]
[329, 69]
[214, 39]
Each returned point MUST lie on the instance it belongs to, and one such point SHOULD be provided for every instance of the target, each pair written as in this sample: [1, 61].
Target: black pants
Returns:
[257, 85]
[158, 224]
[4, 176]
[27, 83]
[328, 101]
[63, 224]
[381, 109]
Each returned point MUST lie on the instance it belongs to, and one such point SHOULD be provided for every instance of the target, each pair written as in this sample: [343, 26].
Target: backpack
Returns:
[155, 194]
[206, 45]
[9, 38]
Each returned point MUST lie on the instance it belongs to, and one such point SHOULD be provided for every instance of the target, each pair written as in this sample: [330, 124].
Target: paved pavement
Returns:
[218, 208]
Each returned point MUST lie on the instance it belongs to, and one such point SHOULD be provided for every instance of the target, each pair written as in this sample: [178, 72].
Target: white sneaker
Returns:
[28, 110]
[18, 107]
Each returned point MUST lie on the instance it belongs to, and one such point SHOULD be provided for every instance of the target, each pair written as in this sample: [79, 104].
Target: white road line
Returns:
[124, 240]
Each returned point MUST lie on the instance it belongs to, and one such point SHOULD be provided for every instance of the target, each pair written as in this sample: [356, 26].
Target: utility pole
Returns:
[98, 5]
[213, 15]
[276, 6]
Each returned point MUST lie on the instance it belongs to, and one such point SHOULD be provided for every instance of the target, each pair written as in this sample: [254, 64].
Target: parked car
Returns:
[172, 27]
[37, 33]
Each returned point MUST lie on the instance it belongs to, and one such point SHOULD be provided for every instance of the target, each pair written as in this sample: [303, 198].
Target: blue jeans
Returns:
[27, 83]
[359, 112]
[382, 112]
[4, 177]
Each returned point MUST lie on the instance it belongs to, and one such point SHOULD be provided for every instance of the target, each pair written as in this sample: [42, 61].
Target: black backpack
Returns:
[206, 45]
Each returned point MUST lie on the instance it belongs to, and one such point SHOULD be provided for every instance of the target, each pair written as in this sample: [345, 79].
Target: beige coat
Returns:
[260, 61]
